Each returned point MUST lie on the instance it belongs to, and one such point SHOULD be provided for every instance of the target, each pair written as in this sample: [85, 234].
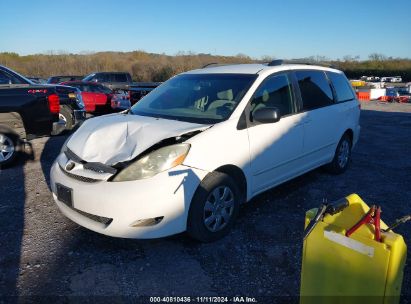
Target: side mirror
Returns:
[266, 115]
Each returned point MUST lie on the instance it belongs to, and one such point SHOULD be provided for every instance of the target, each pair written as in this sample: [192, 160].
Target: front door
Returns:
[275, 148]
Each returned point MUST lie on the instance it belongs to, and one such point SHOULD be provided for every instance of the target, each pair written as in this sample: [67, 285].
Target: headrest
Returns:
[225, 95]
[266, 96]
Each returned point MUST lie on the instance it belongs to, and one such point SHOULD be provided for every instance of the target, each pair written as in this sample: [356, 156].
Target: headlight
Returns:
[154, 163]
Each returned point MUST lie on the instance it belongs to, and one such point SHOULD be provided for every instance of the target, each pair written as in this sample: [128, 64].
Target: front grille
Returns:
[79, 178]
[101, 219]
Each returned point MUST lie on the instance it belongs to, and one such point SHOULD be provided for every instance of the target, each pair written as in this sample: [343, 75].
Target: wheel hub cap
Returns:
[343, 154]
[218, 208]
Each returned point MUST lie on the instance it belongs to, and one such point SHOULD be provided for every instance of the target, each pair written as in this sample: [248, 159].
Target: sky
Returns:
[280, 29]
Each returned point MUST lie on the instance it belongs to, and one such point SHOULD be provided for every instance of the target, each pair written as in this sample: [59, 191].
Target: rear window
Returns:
[315, 89]
[342, 87]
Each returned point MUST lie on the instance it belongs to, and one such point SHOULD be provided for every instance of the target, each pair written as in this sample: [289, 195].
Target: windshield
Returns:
[88, 77]
[198, 98]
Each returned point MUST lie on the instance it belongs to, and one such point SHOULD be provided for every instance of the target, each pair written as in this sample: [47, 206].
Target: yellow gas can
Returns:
[355, 269]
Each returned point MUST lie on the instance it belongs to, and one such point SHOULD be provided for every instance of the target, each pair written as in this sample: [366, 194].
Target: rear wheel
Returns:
[342, 156]
[10, 145]
[214, 208]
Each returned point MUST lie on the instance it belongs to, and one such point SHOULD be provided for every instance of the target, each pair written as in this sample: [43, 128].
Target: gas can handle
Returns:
[337, 206]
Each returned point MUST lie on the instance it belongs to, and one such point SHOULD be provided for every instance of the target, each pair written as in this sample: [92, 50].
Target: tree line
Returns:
[144, 66]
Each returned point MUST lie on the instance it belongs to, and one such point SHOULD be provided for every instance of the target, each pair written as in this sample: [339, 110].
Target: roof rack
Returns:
[210, 64]
[219, 64]
[277, 62]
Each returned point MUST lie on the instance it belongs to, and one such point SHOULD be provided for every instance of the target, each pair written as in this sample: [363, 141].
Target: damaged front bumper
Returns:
[148, 208]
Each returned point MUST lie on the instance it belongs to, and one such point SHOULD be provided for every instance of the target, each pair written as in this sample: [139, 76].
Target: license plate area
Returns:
[65, 195]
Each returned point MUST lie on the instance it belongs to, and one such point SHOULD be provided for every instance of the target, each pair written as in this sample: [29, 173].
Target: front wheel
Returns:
[214, 208]
[342, 156]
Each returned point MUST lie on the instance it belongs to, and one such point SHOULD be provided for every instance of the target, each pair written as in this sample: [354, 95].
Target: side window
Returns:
[342, 87]
[6, 78]
[275, 91]
[101, 78]
[120, 78]
[315, 89]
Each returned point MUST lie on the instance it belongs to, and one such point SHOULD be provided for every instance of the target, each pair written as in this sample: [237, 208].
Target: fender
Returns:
[13, 121]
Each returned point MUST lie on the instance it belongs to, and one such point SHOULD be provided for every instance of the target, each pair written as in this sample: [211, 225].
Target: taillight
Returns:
[54, 103]
[129, 95]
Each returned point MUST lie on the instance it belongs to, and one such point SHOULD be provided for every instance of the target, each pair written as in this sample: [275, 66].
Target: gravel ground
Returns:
[42, 253]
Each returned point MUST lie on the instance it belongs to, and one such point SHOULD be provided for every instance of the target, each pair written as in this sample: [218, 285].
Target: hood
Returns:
[115, 138]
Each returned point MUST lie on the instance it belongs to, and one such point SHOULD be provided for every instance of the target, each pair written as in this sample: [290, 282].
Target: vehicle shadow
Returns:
[87, 264]
[50, 152]
[12, 214]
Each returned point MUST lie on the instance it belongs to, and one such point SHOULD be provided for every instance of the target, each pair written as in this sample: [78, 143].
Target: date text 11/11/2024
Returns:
[236, 299]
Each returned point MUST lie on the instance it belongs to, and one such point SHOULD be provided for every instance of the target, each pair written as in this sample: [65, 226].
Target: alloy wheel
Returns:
[7, 148]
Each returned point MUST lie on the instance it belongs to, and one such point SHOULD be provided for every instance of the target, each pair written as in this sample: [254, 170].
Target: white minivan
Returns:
[187, 155]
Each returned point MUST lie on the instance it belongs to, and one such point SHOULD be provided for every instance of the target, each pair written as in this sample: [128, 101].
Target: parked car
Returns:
[112, 80]
[120, 100]
[72, 109]
[63, 78]
[123, 81]
[96, 97]
[188, 154]
[402, 95]
[396, 79]
[29, 110]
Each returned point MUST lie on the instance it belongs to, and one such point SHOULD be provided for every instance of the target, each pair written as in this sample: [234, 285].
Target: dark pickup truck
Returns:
[123, 81]
[29, 110]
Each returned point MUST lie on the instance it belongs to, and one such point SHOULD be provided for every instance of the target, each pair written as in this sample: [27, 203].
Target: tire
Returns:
[10, 147]
[342, 156]
[65, 114]
[214, 208]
